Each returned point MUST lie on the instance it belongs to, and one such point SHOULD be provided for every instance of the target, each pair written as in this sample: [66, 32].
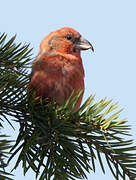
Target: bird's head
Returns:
[65, 40]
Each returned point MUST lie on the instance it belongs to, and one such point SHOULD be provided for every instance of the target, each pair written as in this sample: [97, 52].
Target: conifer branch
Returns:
[54, 141]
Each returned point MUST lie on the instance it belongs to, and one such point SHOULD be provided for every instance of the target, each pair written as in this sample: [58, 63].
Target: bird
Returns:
[57, 71]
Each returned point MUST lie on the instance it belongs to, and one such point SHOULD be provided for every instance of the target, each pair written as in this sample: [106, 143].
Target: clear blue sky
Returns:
[110, 25]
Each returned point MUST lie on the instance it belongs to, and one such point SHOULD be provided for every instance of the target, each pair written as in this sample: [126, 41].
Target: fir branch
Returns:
[53, 140]
[13, 81]
[4, 153]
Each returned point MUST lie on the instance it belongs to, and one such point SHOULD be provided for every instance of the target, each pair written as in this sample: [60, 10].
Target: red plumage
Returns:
[58, 71]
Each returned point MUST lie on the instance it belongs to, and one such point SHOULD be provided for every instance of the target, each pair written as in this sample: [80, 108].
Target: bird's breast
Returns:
[57, 81]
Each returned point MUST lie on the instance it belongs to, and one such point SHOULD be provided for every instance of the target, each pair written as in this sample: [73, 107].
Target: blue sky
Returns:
[110, 25]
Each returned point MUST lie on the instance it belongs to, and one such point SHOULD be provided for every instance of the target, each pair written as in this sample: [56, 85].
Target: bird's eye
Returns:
[68, 37]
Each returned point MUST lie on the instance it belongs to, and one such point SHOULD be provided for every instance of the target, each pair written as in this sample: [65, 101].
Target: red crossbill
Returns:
[58, 70]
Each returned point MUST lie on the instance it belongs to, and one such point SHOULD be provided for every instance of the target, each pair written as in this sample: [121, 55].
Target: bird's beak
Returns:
[83, 44]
